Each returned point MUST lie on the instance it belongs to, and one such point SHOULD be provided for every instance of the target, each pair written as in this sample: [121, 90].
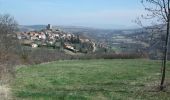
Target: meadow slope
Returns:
[90, 80]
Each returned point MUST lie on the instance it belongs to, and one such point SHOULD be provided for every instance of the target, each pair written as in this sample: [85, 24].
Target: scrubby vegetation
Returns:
[42, 55]
[9, 47]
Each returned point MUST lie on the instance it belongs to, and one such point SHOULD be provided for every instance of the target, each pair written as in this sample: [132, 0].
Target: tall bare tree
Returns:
[159, 10]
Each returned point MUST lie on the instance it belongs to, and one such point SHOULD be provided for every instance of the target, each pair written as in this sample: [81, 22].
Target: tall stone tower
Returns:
[49, 27]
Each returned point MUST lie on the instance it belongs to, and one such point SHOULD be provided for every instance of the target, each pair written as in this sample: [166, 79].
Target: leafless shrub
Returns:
[41, 55]
[113, 56]
[9, 46]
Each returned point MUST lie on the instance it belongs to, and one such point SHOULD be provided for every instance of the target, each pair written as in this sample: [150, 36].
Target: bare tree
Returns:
[9, 45]
[159, 10]
[8, 27]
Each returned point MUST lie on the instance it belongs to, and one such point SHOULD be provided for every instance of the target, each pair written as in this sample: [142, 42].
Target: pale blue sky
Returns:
[89, 13]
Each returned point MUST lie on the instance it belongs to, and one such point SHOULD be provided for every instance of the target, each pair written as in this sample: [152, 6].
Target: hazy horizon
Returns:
[111, 14]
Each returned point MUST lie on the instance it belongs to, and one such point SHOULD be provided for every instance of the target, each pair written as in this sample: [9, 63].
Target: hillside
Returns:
[38, 36]
[90, 80]
[129, 41]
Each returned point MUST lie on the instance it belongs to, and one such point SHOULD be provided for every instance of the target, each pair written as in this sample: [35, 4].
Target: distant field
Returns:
[89, 80]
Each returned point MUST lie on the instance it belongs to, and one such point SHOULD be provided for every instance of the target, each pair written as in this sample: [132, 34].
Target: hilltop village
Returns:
[56, 39]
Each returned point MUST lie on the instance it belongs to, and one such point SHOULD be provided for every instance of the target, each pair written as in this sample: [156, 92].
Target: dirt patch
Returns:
[5, 93]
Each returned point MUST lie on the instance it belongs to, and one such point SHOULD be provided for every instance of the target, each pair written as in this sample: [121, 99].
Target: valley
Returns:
[142, 41]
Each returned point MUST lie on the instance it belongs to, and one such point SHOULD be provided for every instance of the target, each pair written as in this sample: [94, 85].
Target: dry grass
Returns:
[5, 78]
[5, 93]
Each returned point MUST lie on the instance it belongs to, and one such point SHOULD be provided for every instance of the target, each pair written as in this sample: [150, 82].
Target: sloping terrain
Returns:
[145, 41]
[90, 80]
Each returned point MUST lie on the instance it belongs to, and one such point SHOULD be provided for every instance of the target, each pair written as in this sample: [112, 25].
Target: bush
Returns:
[112, 56]
[42, 55]
[7, 64]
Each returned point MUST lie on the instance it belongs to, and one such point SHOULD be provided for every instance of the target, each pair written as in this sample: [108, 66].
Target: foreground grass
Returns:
[89, 80]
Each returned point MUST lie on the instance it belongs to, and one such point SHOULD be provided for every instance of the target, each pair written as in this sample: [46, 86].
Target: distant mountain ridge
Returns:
[27, 28]
[39, 27]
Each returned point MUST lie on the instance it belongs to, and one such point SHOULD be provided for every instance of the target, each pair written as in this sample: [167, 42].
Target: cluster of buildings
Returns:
[52, 37]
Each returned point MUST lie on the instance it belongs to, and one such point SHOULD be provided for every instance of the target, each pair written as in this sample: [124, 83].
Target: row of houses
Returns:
[51, 37]
[44, 34]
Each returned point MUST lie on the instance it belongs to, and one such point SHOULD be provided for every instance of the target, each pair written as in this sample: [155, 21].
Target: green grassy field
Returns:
[89, 80]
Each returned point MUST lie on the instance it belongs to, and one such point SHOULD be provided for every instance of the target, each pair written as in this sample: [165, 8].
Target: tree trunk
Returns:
[165, 55]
